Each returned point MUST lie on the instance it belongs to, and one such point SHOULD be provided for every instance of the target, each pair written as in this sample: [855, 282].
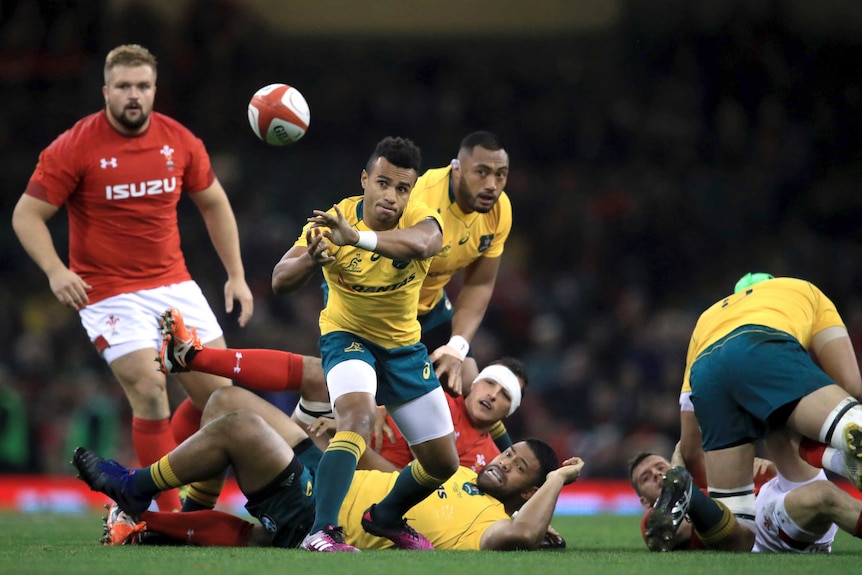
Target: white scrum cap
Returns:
[506, 379]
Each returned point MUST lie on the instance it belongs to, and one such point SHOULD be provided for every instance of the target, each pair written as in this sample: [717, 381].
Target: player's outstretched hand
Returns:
[338, 230]
[570, 470]
[318, 247]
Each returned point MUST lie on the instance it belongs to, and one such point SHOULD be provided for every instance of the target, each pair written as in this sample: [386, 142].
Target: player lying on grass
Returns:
[668, 492]
[478, 416]
[800, 517]
[274, 462]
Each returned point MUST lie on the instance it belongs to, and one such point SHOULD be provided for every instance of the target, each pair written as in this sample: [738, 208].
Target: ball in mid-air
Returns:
[278, 114]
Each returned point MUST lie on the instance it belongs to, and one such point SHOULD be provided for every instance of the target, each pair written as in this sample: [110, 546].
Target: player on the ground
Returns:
[800, 517]
[120, 173]
[274, 463]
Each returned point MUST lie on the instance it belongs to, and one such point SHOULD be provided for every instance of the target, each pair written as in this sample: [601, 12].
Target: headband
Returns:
[504, 377]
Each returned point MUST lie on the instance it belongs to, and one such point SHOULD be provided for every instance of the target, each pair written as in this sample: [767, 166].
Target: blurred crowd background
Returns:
[659, 150]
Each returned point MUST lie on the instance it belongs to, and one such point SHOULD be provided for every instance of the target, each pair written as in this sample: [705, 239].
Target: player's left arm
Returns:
[475, 295]
[420, 241]
[468, 311]
[221, 225]
[528, 528]
[690, 447]
[833, 350]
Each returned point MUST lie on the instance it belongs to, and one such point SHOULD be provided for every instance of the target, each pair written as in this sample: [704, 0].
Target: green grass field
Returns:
[67, 544]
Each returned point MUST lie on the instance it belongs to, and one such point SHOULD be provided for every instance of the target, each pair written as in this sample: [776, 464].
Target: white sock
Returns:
[308, 411]
[832, 431]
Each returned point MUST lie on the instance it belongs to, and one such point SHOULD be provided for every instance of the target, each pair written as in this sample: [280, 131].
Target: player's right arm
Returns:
[297, 265]
[29, 220]
[528, 528]
[420, 241]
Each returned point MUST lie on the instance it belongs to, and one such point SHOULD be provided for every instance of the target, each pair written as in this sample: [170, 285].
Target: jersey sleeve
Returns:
[199, 175]
[827, 314]
[56, 175]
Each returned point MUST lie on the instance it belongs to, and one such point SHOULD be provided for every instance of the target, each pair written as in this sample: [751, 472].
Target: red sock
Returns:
[185, 421]
[152, 440]
[812, 452]
[205, 528]
[258, 369]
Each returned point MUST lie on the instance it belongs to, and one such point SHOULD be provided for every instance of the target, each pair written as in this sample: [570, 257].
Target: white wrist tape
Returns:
[460, 345]
[367, 241]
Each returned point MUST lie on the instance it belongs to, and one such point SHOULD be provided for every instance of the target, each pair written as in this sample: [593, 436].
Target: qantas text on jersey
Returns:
[139, 189]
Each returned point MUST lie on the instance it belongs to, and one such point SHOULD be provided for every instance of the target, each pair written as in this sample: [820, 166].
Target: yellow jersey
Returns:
[466, 237]
[371, 295]
[453, 517]
[791, 305]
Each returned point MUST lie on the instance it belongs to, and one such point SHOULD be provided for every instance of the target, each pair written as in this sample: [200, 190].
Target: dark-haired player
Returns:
[375, 250]
[275, 464]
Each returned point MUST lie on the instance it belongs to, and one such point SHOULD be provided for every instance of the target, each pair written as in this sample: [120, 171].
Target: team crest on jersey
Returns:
[268, 523]
[480, 461]
[471, 489]
[353, 264]
[168, 153]
[113, 322]
[354, 346]
[485, 242]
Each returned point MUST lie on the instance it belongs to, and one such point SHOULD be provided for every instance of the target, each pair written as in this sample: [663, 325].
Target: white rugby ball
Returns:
[278, 114]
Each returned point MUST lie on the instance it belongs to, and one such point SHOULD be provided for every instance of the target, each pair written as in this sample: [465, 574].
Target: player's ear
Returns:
[363, 179]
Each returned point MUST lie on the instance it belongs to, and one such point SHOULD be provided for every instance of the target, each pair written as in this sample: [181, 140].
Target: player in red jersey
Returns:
[790, 516]
[120, 173]
[478, 417]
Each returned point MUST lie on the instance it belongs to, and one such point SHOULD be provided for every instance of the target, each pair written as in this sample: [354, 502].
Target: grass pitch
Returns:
[68, 544]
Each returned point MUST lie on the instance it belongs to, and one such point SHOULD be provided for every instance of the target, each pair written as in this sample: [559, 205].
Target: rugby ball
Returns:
[278, 114]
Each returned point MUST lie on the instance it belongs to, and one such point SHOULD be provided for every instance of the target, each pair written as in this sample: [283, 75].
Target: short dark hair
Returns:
[548, 459]
[482, 139]
[399, 152]
[634, 462]
[517, 367]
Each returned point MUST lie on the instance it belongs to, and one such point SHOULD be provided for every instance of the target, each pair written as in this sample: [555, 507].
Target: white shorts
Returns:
[776, 532]
[129, 322]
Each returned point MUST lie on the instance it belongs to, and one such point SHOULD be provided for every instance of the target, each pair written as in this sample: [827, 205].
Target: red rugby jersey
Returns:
[475, 450]
[121, 193]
